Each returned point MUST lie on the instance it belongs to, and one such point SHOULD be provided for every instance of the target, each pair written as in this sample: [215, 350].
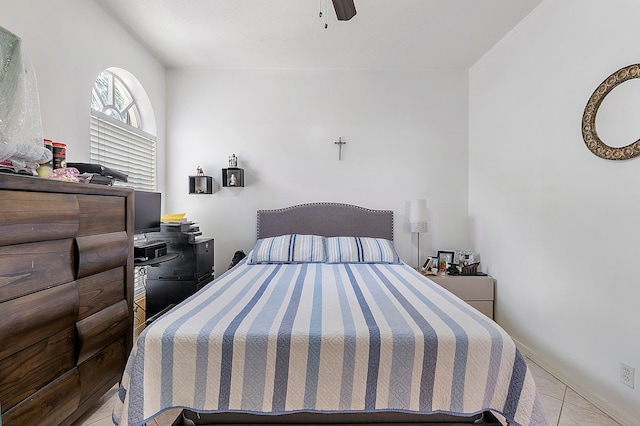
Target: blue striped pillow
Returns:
[360, 250]
[290, 248]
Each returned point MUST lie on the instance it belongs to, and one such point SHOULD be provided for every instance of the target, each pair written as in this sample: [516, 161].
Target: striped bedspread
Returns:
[324, 338]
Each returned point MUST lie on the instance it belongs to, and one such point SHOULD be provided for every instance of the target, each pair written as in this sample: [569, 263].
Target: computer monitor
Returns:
[147, 211]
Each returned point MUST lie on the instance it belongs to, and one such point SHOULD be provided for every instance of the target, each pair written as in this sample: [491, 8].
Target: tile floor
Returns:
[564, 406]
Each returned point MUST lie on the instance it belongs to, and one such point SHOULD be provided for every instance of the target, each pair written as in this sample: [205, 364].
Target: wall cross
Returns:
[340, 143]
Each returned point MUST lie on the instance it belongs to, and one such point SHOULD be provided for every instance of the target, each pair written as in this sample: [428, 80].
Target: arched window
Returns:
[117, 139]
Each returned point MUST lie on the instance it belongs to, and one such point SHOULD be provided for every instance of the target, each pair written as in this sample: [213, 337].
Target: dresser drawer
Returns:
[100, 329]
[35, 317]
[99, 291]
[37, 216]
[32, 267]
[54, 402]
[41, 363]
[101, 215]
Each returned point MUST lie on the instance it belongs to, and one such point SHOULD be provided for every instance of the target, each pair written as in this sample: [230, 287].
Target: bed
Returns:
[323, 324]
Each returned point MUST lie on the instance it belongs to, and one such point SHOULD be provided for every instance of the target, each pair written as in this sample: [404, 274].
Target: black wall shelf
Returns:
[200, 185]
[233, 177]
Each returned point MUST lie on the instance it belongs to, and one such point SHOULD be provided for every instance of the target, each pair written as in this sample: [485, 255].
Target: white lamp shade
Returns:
[418, 216]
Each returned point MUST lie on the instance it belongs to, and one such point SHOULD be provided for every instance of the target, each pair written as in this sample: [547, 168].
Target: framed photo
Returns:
[465, 257]
[444, 258]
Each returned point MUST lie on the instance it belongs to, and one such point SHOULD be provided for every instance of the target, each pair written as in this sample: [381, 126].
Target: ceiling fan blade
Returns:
[345, 9]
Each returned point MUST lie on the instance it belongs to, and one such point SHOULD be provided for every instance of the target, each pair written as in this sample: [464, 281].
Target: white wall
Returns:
[406, 134]
[70, 42]
[406, 131]
[556, 225]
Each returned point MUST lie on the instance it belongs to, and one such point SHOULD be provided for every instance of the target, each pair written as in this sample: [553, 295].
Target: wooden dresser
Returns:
[66, 292]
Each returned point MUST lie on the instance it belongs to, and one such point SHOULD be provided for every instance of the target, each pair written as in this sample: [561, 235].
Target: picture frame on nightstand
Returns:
[447, 257]
[465, 257]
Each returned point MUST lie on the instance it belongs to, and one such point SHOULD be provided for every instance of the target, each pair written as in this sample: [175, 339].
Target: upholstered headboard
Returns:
[327, 219]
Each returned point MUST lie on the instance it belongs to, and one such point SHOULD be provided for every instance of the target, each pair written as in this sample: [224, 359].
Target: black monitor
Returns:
[146, 215]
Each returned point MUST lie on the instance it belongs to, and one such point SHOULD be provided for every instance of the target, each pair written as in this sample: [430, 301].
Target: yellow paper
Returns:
[175, 217]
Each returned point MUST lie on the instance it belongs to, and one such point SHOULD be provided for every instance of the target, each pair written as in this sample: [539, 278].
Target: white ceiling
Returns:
[384, 34]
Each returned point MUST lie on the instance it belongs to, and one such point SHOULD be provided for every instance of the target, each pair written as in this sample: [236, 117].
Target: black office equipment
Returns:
[173, 281]
[146, 213]
[147, 250]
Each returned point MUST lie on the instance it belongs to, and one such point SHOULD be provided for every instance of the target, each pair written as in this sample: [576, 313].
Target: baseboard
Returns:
[601, 403]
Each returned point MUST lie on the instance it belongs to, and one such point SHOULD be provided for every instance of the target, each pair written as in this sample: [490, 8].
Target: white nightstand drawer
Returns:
[478, 291]
[484, 306]
[467, 287]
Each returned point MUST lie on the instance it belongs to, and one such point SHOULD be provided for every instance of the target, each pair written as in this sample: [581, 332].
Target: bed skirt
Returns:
[190, 418]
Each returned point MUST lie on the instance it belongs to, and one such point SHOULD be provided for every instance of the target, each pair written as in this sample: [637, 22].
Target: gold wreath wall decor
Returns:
[589, 133]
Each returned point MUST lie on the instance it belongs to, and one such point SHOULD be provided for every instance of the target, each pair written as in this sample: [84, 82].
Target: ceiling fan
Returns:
[345, 9]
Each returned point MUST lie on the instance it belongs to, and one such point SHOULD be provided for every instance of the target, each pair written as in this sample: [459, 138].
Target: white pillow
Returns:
[290, 248]
[360, 250]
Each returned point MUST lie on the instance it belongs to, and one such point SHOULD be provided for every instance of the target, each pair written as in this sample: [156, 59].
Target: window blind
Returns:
[118, 146]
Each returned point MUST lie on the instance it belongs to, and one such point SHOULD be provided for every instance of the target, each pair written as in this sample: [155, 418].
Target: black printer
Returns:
[170, 282]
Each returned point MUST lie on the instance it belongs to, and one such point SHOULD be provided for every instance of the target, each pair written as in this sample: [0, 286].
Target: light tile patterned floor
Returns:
[100, 414]
[564, 406]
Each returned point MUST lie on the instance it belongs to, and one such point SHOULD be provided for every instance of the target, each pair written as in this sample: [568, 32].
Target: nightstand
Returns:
[478, 291]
